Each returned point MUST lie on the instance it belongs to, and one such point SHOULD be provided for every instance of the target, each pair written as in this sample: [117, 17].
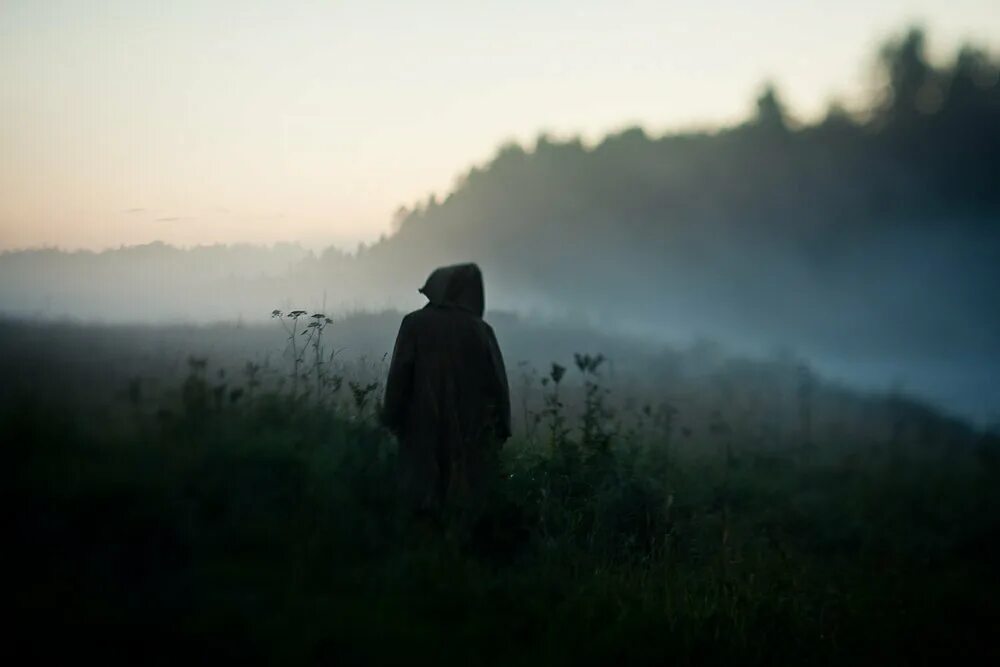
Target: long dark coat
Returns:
[446, 398]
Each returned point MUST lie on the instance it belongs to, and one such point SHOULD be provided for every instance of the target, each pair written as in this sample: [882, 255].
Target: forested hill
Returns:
[839, 208]
[876, 232]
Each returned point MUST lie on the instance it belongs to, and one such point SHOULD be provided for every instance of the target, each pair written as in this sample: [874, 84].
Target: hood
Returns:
[459, 285]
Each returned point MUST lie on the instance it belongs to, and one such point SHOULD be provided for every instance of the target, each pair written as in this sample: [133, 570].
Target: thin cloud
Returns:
[134, 210]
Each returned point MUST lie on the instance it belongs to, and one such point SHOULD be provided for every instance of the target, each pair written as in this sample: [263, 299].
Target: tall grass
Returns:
[245, 518]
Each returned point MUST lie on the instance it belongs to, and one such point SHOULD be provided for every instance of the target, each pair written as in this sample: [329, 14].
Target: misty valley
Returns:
[751, 382]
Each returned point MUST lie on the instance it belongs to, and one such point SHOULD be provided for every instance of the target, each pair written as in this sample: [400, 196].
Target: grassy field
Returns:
[219, 519]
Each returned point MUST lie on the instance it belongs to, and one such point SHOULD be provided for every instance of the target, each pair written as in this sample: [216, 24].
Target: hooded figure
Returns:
[446, 398]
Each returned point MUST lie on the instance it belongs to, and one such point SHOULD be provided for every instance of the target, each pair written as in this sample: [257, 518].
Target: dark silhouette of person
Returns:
[446, 397]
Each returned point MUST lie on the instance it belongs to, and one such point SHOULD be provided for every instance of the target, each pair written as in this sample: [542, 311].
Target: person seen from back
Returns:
[446, 397]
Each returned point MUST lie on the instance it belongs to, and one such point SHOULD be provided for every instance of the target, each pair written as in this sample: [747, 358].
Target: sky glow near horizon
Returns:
[312, 122]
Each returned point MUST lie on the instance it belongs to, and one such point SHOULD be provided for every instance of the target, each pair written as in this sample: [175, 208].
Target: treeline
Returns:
[870, 235]
[923, 148]
[754, 205]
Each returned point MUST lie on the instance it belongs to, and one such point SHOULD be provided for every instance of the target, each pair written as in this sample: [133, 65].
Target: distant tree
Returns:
[398, 218]
[838, 116]
[910, 86]
[770, 111]
[972, 83]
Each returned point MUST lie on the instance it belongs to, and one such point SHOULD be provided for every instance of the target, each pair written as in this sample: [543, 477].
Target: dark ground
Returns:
[264, 529]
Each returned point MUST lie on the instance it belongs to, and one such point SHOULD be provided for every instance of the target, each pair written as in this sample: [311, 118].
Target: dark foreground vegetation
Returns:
[257, 522]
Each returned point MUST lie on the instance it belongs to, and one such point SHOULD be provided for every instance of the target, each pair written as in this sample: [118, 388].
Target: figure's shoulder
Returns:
[415, 318]
[429, 310]
[488, 331]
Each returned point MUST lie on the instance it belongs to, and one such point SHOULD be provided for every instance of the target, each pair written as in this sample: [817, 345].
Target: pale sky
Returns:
[245, 121]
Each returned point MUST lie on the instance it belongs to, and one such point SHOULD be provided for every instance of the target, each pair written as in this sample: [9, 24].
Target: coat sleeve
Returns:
[399, 384]
[502, 399]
